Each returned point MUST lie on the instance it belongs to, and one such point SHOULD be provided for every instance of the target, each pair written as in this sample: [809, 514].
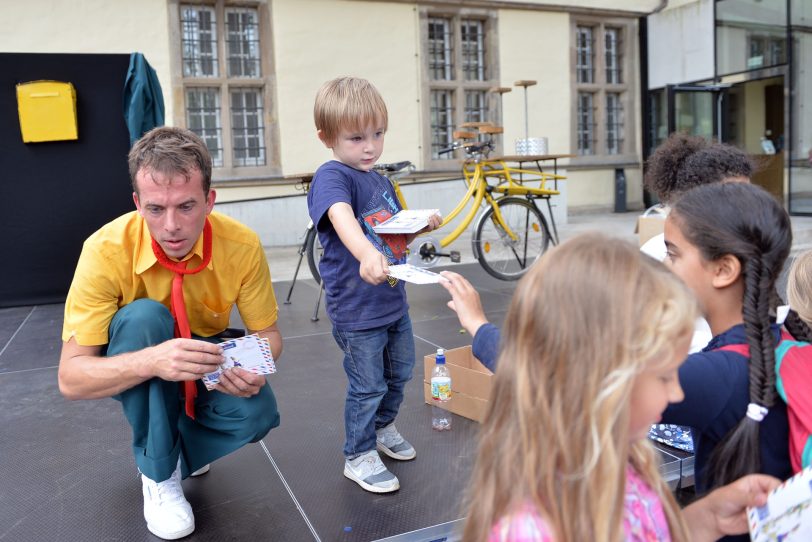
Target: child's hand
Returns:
[434, 222]
[374, 267]
[724, 510]
[464, 301]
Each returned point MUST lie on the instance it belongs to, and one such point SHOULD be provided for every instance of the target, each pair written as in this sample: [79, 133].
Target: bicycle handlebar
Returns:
[393, 167]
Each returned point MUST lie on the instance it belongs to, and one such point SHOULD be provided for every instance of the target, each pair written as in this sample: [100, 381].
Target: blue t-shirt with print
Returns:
[353, 304]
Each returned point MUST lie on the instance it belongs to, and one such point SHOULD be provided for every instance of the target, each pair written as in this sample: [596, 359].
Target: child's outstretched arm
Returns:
[374, 266]
[724, 510]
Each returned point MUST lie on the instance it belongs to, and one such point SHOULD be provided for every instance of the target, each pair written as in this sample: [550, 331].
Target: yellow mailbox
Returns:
[47, 111]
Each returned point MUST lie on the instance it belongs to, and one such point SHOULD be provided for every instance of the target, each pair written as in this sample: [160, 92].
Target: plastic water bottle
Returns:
[441, 393]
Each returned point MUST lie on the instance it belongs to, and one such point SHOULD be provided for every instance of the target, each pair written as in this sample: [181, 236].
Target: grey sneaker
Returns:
[393, 444]
[368, 471]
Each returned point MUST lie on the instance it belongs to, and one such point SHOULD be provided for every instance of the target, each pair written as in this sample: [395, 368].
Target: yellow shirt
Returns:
[117, 266]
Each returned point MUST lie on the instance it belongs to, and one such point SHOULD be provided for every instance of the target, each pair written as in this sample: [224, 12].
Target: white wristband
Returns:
[756, 412]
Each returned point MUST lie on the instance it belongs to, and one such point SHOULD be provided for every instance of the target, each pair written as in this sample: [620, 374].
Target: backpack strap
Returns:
[744, 349]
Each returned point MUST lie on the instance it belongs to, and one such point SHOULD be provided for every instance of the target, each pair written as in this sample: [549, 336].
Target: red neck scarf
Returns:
[178, 305]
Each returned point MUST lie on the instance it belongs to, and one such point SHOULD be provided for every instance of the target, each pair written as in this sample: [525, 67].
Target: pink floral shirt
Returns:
[643, 521]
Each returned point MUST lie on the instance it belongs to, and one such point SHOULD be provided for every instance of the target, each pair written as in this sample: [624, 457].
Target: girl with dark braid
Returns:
[729, 242]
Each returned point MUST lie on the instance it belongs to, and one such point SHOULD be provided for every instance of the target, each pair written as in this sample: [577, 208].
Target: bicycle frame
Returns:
[507, 185]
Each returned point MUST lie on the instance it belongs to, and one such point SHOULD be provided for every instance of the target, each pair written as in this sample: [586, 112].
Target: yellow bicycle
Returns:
[511, 233]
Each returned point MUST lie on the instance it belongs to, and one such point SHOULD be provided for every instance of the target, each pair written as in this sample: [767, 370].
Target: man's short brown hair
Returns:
[348, 103]
[171, 151]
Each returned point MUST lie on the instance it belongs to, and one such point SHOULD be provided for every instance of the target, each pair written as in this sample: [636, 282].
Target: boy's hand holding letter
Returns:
[408, 221]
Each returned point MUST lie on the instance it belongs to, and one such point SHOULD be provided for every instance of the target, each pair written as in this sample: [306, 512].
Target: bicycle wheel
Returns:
[314, 251]
[501, 256]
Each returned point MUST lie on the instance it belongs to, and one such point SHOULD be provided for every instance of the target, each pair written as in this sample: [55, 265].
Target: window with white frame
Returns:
[612, 49]
[247, 131]
[225, 89]
[472, 37]
[601, 89]
[203, 118]
[614, 123]
[584, 63]
[441, 49]
[460, 72]
[442, 120]
[476, 106]
[586, 123]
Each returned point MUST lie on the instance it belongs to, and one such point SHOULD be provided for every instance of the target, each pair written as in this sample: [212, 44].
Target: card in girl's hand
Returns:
[787, 516]
[251, 352]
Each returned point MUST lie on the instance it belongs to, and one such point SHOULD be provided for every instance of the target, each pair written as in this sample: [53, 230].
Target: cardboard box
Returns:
[649, 226]
[470, 383]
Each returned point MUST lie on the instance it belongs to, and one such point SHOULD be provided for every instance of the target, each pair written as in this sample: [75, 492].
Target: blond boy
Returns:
[368, 309]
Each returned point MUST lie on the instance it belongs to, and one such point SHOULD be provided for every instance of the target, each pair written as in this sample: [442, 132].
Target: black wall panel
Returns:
[53, 195]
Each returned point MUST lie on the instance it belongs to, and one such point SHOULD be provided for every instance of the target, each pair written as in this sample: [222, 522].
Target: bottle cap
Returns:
[440, 356]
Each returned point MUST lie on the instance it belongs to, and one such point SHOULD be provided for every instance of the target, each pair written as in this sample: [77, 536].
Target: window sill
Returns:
[604, 161]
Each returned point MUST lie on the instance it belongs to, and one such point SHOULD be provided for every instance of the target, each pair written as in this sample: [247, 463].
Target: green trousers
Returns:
[161, 430]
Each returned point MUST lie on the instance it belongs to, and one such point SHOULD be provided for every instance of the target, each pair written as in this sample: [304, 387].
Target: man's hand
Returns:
[240, 383]
[464, 301]
[374, 267]
[86, 374]
[724, 510]
[182, 359]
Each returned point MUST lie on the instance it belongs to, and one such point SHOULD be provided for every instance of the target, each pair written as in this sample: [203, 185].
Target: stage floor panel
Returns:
[68, 474]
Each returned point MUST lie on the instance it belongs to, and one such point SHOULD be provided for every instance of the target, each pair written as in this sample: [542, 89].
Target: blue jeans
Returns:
[378, 362]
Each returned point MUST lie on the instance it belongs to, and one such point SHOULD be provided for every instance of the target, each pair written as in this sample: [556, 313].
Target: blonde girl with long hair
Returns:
[593, 339]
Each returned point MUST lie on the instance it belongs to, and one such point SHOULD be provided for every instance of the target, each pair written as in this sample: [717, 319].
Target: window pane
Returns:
[586, 124]
[658, 119]
[203, 118]
[472, 35]
[441, 50]
[442, 123]
[198, 41]
[614, 123]
[476, 106]
[242, 43]
[584, 63]
[247, 127]
[750, 35]
[613, 58]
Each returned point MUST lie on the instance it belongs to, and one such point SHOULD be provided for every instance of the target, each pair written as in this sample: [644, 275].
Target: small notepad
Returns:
[406, 221]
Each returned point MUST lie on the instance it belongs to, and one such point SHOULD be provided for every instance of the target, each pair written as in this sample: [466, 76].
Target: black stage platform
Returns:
[66, 470]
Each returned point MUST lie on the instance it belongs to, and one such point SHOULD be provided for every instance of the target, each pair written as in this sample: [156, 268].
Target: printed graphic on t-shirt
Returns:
[379, 209]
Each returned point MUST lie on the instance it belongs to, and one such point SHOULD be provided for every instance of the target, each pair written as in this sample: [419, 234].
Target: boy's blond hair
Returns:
[799, 286]
[348, 103]
[556, 436]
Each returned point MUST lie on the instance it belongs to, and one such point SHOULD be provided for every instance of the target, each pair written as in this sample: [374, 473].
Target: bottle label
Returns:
[441, 388]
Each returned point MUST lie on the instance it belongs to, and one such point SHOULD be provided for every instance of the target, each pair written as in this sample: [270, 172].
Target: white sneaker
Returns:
[393, 444]
[168, 513]
[369, 472]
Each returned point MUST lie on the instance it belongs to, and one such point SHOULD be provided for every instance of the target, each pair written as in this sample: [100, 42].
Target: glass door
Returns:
[696, 110]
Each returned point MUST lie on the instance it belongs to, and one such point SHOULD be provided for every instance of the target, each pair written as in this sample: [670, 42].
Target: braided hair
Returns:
[745, 221]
